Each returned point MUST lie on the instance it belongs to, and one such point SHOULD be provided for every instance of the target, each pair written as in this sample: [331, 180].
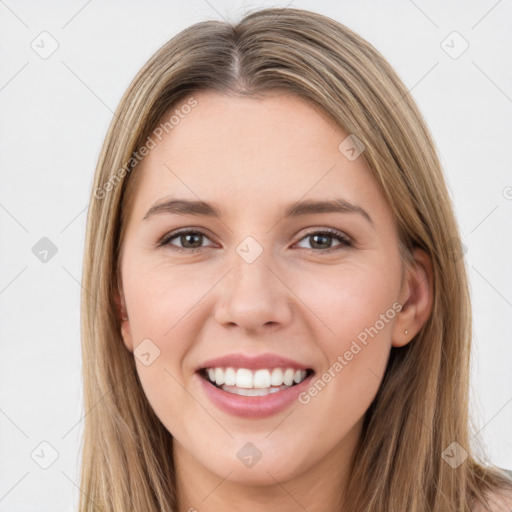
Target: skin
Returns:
[252, 157]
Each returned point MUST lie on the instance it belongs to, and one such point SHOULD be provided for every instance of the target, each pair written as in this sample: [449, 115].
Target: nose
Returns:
[253, 296]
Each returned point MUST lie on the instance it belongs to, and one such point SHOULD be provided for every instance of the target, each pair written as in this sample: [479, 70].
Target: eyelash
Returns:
[333, 233]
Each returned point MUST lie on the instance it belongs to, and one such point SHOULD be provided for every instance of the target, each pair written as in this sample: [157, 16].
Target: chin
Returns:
[254, 464]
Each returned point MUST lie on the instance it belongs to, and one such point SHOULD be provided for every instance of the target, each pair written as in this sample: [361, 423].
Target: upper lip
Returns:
[253, 362]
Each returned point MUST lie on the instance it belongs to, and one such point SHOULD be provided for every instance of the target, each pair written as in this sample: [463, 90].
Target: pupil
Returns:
[321, 237]
[190, 236]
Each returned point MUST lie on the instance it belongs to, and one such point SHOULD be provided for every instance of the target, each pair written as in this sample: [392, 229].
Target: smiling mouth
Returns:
[262, 382]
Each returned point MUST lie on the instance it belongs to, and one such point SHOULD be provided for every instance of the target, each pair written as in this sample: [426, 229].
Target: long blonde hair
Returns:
[422, 404]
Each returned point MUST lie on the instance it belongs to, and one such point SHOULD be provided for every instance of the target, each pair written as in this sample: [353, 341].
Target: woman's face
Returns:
[262, 278]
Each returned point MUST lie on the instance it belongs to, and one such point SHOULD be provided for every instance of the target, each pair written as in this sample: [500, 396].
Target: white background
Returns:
[54, 114]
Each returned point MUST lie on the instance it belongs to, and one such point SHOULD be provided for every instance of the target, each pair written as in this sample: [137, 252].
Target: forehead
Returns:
[254, 130]
[254, 151]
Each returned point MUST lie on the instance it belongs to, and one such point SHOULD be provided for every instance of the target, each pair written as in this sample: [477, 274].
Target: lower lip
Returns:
[253, 406]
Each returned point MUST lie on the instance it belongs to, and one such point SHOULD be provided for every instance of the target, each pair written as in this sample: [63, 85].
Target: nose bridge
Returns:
[252, 295]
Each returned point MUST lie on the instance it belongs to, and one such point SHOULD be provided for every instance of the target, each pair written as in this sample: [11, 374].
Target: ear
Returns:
[416, 299]
[122, 316]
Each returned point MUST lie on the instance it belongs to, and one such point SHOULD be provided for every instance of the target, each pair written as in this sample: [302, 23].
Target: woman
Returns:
[310, 349]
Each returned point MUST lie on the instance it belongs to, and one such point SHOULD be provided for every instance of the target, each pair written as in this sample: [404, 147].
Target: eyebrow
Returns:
[202, 208]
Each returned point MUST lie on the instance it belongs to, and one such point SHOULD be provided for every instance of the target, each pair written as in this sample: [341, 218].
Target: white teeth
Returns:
[288, 376]
[252, 392]
[244, 378]
[261, 379]
[265, 379]
[219, 376]
[277, 377]
[229, 377]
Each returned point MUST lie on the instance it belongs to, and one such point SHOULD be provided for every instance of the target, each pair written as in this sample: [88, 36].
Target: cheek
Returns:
[161, 309]
[347, 300]
[160, 298]
[162, 377]
[354, 316]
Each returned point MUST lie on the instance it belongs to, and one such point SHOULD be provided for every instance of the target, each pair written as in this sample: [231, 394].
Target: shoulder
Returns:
[498, 501]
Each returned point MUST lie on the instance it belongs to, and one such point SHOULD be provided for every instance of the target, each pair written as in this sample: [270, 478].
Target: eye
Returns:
[321, 239]
[191, 240]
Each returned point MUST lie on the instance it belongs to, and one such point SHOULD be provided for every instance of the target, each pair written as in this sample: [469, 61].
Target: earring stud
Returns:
[406, 331]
